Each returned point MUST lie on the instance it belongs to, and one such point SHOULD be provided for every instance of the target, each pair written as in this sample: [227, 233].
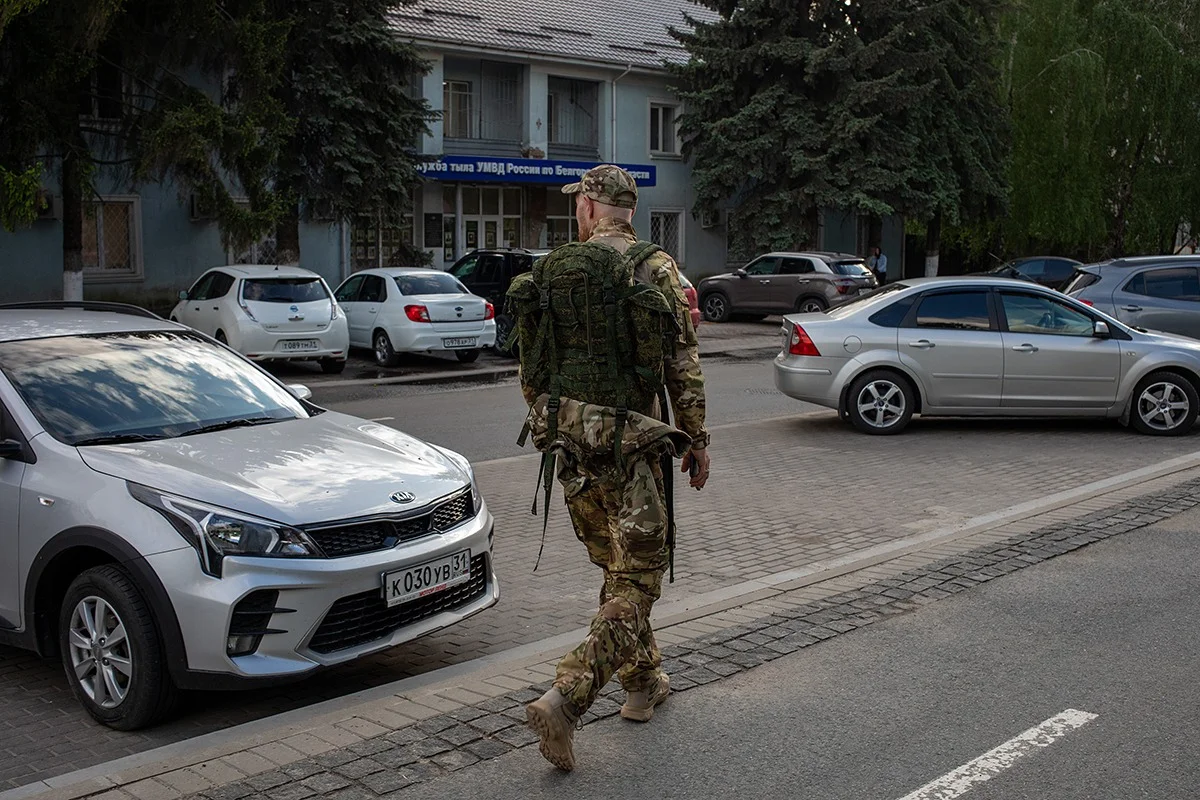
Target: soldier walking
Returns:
[606, 344]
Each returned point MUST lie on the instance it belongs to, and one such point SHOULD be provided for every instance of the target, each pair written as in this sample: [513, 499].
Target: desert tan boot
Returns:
[639, 706]
[549, 719]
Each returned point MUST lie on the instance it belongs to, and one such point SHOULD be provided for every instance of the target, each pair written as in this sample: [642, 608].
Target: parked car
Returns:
[176, 518]
[780, 283]
[689, 291]
[395, 310]
[985, 347]
[1160, 293]
[488, 273]
[1050, 271]
[268, 313]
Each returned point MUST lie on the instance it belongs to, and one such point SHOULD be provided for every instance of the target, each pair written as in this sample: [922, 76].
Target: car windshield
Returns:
[126, 387]
[284, 290]
[853, 269]
[866, 303]
[437, 283]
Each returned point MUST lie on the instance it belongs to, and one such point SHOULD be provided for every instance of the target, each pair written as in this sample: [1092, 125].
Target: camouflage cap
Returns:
[608, 184]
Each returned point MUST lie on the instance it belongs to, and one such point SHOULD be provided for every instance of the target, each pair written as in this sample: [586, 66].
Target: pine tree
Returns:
[354, 148]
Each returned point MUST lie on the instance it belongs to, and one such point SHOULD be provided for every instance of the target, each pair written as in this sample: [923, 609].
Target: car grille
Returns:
[365, 617]
[353, 538]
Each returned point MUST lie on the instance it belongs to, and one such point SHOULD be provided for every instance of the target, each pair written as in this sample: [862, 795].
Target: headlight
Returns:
[217, 532]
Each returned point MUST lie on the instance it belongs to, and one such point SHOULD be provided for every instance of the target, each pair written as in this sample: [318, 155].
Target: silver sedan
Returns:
[985, 347]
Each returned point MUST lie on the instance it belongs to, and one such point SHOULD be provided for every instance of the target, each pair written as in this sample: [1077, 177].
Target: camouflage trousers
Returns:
[624, 527]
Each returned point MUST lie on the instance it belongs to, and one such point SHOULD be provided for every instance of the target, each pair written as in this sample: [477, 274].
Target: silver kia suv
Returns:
[173, 517]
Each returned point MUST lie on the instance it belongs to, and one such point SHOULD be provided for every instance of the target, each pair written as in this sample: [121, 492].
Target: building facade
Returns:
[527, 103]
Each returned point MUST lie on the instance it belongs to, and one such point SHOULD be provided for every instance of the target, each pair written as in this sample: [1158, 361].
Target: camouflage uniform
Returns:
[621, 517]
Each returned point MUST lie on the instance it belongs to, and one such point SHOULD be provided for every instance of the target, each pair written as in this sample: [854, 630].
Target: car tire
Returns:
[811, 305]
[385, 356]
[715, 306]
[863, 403]
[1164, 404]
[504, 326]
[333, 366]
[467, 356]
[108, 599]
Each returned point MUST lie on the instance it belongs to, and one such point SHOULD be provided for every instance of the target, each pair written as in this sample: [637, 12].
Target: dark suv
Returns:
[487, 273]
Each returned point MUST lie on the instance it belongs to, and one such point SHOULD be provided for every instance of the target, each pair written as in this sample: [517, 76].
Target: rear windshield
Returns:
[1081, 281]
[284, 290]
[440, 283]
[854, 269]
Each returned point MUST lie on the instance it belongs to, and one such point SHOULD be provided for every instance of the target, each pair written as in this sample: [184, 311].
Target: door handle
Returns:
[371, 310]
[765, 282]
[1131, 308]
[923, 344]
[216, 308]
[1025, 348]
[803, 280]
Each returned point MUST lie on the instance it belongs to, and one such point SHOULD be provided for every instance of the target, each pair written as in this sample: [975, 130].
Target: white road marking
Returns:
[995, 761]
[382, 419]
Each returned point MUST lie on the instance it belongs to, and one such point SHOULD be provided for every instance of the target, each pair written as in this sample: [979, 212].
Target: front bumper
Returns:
[309, 589]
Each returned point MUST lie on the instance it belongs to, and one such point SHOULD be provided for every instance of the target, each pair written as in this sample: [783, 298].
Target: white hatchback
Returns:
[415, 311]
[268, 313]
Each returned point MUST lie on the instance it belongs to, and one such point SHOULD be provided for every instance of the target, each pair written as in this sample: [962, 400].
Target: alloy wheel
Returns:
[881, 403]
[811, 307]
[1163, 406]
[714, 307]
[100, 652]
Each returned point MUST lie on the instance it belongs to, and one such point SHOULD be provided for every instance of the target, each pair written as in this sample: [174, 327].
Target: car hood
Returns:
[1170, 340]
[298, 472]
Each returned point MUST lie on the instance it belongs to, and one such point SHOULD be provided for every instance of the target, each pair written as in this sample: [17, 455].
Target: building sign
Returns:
[479, 169]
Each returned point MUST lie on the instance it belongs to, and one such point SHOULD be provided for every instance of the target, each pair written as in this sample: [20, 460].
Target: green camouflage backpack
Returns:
[586, 331]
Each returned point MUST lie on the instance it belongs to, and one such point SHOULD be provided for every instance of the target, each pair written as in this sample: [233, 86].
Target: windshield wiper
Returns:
[243, 422]
[116, 438]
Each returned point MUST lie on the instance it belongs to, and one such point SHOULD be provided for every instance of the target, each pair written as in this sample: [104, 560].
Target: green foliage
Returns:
[1105, 99]
[18, 196]
[875, 106]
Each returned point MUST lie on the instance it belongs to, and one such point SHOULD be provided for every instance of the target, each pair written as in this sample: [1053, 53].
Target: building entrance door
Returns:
[485, 233]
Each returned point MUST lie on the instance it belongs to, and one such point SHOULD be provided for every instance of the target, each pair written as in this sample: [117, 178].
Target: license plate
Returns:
[425, 579]
[299, 345]
[463, 342]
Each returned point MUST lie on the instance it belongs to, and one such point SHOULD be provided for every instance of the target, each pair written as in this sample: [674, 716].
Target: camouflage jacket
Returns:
[684, 380]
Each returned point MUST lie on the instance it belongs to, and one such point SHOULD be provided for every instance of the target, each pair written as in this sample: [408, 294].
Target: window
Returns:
[429, 284]
[491, 268]
[664, 231]
[1034, 314]
[373, 290]
[501, 115]
[796, 266]
[955, 310]
[348, 292]
[201, 288]
[376, 242]
[457, 109]
[894, 314]
[560, 218]
[466, 268]
[112, 238]
[852, 269]
[1170, 284]
[663, 139]
[1032, 269]
[1058, 270]
[572, 107]
[284, 290]
[764, 266]
[222, 283]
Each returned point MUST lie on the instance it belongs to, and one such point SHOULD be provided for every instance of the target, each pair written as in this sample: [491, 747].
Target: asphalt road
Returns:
[884, 711]
[482, 421]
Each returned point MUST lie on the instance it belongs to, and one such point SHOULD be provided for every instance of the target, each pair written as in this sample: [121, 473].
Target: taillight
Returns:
[844, 286]
[1085, 302]
[801, 344]
[335, 312]
[417, 313]
[246, 308]
[489, 312]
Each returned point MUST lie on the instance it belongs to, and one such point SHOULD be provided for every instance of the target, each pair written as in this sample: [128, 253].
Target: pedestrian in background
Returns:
[606, 343]
[877, 263]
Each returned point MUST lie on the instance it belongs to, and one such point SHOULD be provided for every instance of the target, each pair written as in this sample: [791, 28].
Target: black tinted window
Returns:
[434, 283]
[1059, 270]
[957, 310]
[203, 286]
[1169, 284]
[796, 266]
[1081, 281]
[373, 290]
[893, 315]
[284, 290]
[221, 285]
[853, 269]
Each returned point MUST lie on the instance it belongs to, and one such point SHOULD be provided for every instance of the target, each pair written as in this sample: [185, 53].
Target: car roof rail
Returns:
[83, 305]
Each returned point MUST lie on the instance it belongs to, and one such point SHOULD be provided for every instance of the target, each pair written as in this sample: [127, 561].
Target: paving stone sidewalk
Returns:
[392, 765]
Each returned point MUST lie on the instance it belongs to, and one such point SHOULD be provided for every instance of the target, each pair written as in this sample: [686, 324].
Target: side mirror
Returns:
[183, 295]
[300, 390]
[741, 273]
[12, 449]
[1100, 330]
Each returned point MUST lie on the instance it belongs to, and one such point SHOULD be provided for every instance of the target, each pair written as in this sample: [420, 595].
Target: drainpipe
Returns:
[616, 80]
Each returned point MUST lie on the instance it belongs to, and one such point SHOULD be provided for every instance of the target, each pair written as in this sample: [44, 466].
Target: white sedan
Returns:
[268, 313]
[401, 310]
